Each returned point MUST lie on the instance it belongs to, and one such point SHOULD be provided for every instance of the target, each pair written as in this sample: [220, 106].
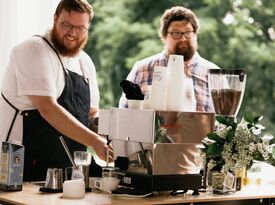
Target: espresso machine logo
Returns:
[169, 126]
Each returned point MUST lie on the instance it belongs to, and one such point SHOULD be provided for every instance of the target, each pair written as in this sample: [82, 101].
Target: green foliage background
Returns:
[234, 34]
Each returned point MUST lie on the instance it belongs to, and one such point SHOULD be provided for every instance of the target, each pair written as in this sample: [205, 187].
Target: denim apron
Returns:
[43, 148]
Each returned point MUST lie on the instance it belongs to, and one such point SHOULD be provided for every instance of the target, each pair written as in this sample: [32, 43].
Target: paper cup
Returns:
[135, 104]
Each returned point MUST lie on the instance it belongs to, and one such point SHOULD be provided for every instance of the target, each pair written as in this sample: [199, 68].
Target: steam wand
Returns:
[67, 150]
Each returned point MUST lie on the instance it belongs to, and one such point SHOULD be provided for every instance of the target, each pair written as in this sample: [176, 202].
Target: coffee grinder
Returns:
[226, 89]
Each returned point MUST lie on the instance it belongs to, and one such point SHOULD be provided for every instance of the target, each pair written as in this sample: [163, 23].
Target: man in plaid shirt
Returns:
[178, 31]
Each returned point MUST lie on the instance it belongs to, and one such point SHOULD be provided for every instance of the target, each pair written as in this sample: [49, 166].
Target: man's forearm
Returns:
[63, 121]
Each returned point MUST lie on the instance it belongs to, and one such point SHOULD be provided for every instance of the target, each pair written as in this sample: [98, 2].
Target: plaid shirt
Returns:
[142, 74]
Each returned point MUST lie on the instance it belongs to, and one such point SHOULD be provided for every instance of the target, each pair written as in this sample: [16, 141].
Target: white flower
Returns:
[223, 131]
[256, 131]
[243, 147]
[267, 137]
[208, 141]
[260, 118]
[211, 164]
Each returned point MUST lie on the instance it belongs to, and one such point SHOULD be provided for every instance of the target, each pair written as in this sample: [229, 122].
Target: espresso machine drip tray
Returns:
[157, 150]
[147, 183]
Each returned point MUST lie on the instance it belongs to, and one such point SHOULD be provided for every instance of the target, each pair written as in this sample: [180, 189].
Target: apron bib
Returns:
[43, 148]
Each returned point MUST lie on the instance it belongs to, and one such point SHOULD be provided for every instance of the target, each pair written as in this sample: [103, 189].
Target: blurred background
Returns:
[234, 34]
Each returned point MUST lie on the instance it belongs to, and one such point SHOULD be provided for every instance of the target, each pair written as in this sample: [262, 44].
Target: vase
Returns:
[220, 182]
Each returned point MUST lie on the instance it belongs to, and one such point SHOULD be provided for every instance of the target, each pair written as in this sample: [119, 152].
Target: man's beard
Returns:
[62, 49]
[185, 49]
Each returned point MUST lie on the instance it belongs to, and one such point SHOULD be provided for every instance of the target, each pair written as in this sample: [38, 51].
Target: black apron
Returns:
[43, 148]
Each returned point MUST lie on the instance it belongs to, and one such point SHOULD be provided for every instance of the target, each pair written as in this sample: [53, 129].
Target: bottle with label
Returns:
[95, 173]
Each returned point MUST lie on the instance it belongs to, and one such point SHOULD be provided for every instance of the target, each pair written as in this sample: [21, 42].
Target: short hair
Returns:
[177, 13]
[81, 6]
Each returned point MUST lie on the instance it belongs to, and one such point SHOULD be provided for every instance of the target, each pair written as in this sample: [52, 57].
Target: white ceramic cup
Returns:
[107, 184]
[74, 189]
[135, 104]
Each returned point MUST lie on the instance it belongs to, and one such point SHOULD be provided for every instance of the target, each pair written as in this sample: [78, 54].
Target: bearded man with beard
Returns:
[50, 90]
[179, 28]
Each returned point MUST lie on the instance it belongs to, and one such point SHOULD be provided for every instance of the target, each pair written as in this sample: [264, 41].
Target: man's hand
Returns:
[102, 149]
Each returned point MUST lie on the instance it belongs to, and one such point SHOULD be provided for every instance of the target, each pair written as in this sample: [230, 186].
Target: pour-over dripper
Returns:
[226, 89]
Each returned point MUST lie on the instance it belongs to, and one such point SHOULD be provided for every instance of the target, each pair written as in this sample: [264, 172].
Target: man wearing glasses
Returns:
[178, 31]
[50, 89]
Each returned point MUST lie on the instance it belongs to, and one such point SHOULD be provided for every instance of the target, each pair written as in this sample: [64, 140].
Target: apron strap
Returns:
[86, 79]
[14, 117]
[46, 40]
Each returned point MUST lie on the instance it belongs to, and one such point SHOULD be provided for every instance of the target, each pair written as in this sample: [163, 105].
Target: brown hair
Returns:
[177, 13]
[81, 6]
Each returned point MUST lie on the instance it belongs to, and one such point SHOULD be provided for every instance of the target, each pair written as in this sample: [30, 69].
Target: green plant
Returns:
[237, 144]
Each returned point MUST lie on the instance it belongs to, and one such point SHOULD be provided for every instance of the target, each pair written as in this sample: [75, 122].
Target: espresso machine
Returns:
[157, 150]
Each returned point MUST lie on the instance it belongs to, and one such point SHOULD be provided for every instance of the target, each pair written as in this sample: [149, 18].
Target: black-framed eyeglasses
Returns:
[176, 35]
[78, 29]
